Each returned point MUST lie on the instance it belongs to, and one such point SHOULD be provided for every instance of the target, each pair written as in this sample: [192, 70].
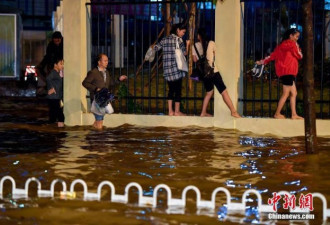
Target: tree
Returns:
[191, 30]
[308, 68]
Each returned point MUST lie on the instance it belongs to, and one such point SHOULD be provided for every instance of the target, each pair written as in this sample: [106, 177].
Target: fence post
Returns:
[228, 58]
[75, 27]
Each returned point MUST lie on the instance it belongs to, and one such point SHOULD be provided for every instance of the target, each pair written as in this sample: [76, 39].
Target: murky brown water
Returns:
[206, 158]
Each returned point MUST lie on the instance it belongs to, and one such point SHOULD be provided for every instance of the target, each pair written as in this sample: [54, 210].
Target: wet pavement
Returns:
[205, 157]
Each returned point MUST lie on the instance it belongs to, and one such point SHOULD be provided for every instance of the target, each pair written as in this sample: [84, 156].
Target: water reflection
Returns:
[73, 158]
[257, 142]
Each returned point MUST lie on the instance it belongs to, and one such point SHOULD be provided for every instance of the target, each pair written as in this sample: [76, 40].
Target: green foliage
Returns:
[250, 63]
[300, 109]
[122, 91]
[122, 94]
[182, 104]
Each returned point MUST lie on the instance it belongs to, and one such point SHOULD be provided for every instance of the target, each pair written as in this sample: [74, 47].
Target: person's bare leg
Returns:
[98, 124]
[281, 102]
[226, 98]
[170, 108]
[177, 110]
[206, 101]
[293, 96]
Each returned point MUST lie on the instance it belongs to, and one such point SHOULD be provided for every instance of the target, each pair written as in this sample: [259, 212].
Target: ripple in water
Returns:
[256, 141]
[23, 141]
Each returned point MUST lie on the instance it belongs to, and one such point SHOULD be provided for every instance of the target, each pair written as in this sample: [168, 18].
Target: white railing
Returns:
[175, 205]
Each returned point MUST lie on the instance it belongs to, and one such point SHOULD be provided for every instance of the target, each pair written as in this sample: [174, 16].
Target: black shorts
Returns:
[215, 80]
[287, 80]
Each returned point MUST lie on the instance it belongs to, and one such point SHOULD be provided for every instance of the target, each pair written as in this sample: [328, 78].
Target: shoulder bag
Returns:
[180, 58]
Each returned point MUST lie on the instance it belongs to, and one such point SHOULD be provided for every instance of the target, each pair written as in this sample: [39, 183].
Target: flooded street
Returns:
[204, 157]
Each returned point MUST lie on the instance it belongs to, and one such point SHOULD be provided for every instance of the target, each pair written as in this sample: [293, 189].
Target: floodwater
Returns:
[204, 157]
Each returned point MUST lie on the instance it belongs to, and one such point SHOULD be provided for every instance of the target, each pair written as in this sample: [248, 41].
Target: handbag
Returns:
[196, 75]
[180, 58]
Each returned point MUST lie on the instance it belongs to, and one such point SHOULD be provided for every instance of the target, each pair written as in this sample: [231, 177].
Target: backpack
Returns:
[203, 67]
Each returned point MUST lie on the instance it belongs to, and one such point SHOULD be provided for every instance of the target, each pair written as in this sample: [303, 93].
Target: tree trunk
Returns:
[168, 19]
[308, 75]
[191, 30]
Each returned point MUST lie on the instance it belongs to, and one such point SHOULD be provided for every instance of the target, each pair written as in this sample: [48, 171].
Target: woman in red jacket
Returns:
[286, 56]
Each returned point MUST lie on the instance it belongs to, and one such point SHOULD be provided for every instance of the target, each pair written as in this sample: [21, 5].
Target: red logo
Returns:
[305, 201]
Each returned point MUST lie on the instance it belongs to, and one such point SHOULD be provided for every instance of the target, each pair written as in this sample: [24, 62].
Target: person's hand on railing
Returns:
[122, 77]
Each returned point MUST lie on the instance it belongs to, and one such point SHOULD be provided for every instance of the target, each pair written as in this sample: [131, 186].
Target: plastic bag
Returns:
[96, 109]
[150, 55]
[109, 109]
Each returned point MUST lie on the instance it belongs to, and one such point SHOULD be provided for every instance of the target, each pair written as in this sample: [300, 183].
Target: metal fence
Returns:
[264, 24]
[124, 30]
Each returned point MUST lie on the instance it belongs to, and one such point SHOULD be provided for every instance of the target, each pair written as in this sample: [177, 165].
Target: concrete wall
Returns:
[262, 126]
[75, 27]
[228, 58]
[228, 37]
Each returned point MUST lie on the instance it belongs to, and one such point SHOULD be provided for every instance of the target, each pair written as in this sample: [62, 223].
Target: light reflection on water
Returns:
[207, 158]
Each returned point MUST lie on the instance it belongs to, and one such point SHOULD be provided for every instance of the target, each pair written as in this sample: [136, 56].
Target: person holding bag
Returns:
[174, 71]
[213, 78]
[286, 56]
[96, 80]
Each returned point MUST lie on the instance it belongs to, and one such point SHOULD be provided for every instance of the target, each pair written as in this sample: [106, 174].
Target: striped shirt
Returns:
[171, 72]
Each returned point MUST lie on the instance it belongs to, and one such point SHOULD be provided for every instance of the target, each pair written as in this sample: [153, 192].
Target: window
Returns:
[8, 59]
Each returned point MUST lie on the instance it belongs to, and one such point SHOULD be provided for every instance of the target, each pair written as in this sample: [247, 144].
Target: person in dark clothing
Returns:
[55, 47]
[97, 79]
[54, 50]
[55, 92]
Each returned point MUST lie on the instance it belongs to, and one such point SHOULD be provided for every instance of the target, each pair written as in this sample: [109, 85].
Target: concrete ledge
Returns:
[262, 126]
[115, 120]
[283, 128]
